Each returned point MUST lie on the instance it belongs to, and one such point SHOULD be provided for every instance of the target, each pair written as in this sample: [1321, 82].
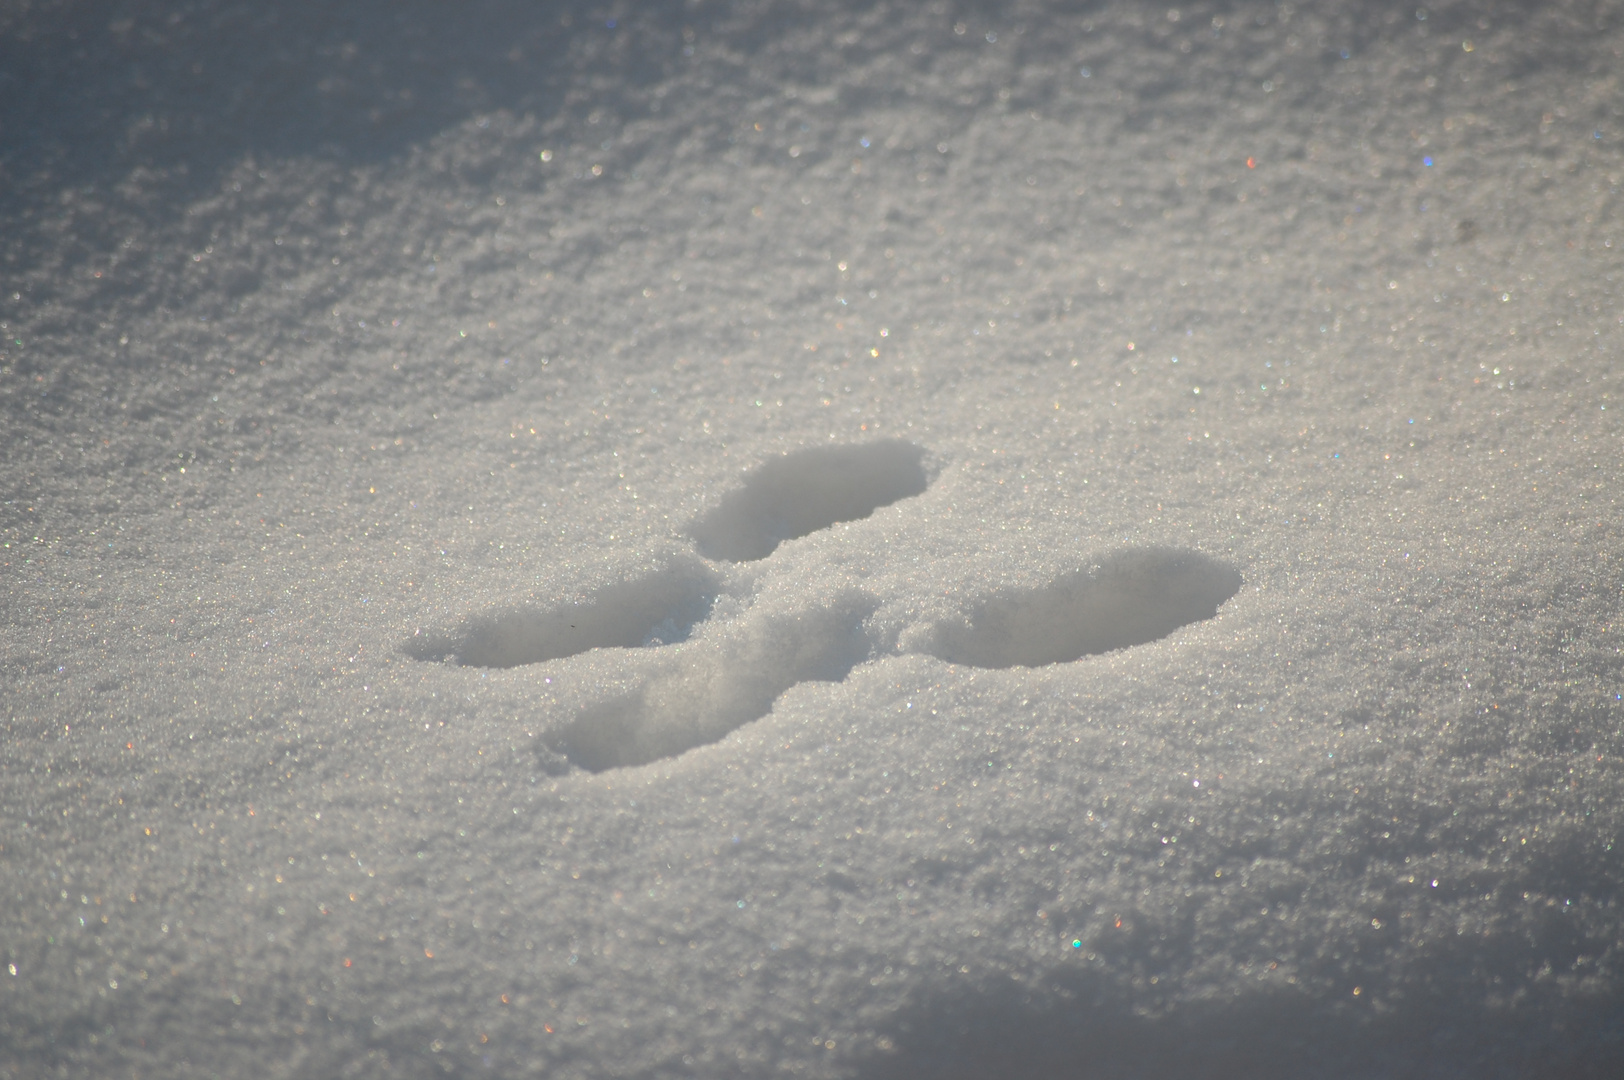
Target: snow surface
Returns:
[840, 540]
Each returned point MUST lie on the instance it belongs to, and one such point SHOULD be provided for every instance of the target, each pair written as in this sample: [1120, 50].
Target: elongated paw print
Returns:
[801, 493]
[1127, 598]
[655, 608]
[712, 660]
[720, 688]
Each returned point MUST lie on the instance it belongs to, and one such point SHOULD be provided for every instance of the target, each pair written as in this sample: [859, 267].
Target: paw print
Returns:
[715, 661]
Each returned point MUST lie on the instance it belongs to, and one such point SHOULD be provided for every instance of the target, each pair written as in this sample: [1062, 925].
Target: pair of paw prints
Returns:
[706, 675]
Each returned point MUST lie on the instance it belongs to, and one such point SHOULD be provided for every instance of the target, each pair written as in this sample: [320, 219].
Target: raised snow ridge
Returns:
[656, 608]
[1126, 598]
[808, 490]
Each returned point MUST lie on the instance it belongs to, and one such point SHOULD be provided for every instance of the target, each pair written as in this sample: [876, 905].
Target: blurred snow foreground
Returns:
[751, 539]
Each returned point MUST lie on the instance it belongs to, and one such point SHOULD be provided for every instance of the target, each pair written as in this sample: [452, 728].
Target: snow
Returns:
[790, 496]
[830, 540]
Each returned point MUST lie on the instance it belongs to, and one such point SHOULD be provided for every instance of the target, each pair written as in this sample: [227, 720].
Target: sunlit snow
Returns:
[743, 539]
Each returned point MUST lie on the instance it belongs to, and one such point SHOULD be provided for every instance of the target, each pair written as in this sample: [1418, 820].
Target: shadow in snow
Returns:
[1084, 1025]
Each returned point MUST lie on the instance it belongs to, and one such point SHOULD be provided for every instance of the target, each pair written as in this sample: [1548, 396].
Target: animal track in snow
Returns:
[1126, 598]
[809, 490]
[736, 667]
[720, 686]
[657, 608]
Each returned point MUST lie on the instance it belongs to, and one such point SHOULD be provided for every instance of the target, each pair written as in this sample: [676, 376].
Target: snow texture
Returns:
[843, 540]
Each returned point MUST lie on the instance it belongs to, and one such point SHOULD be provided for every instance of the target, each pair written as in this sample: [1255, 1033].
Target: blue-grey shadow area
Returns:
[89, 90]
[1080, 1027]
[93, 89]
[116, 116]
